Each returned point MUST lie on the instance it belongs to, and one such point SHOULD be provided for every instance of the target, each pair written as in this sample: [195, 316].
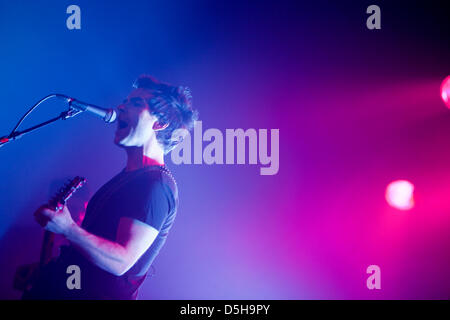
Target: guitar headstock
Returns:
[66, 191]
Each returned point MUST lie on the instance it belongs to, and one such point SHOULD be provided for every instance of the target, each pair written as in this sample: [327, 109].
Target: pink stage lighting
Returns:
[399, 194]
[445, 91]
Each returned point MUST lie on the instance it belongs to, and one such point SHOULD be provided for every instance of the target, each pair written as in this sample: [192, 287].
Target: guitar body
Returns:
[27, 276]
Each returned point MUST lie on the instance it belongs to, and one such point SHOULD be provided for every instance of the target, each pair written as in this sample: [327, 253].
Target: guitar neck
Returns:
[47, 248]
[48, 241]
[49, 237]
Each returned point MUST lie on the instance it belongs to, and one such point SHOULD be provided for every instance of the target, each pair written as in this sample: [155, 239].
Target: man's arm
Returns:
[133, 238]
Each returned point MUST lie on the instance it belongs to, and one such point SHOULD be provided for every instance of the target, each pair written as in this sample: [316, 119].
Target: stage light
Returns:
[445, 91]
[399, 194]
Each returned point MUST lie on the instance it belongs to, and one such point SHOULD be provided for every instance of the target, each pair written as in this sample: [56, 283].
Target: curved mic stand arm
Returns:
[17, 134]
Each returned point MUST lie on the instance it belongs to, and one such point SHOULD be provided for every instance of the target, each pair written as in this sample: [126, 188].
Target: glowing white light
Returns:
[399, 194]
[445, 91]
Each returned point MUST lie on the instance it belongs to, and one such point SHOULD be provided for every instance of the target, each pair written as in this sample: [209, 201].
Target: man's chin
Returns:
[119, 141]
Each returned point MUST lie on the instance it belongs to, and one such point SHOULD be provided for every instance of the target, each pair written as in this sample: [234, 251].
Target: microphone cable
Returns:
[53, 95]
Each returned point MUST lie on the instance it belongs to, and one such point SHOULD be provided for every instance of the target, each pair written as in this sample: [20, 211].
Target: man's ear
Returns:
[157, 126]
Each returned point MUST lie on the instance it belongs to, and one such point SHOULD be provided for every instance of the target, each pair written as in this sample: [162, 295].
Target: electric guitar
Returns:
[25, 275]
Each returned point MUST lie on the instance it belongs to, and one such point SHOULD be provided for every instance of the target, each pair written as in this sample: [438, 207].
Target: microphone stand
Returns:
[17, 134]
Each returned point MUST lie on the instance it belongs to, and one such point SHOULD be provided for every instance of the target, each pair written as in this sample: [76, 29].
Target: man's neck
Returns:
[138, 159]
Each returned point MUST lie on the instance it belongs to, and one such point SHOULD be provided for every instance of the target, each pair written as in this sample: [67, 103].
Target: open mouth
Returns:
[122, 124]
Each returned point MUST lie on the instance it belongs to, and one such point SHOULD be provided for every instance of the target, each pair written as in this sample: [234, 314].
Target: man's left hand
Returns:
[59, 221]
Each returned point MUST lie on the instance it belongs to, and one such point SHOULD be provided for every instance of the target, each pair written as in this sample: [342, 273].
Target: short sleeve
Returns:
[150, 203]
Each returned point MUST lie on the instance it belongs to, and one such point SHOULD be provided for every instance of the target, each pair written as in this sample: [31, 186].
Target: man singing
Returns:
[128, 219]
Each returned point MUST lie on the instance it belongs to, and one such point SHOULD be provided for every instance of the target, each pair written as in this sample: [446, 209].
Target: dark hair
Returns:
[172, 105]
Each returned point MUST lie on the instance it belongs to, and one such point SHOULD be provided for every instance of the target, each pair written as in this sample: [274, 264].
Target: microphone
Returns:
[108, 115]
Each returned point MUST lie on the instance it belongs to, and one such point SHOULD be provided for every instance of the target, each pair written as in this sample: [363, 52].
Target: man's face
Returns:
[135, 123]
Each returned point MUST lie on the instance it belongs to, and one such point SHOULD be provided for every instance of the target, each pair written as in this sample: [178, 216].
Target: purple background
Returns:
[356, 110]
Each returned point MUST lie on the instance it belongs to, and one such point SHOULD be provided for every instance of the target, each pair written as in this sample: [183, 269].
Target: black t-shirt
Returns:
[149, 195]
